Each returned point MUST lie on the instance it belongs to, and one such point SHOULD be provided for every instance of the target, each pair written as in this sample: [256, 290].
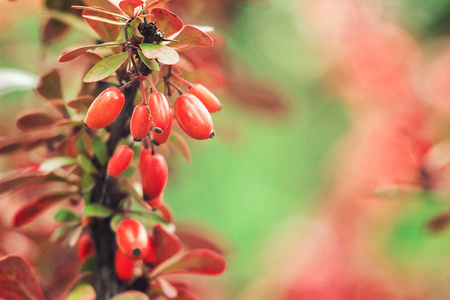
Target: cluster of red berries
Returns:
[191, 110]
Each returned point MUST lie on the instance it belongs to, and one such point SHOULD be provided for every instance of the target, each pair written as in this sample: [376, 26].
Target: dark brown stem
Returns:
[106, 191]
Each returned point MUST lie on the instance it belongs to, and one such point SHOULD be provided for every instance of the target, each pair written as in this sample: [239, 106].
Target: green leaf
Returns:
[55, 163]
[97, 210]
[62, 231]
[163, 54]
[115, 220]
[100, 150]
[83, 291]
[105, 67]
[150, 63]
[86, 164]
[65, 215]
[73, 236]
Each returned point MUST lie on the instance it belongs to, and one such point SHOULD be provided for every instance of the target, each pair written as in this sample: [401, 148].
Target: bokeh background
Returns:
[327, 178]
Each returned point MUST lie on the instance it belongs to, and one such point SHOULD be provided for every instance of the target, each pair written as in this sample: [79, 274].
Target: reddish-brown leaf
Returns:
[18, 280]
[32, 209]
[166, 21]
[19, 142]
[74, 53]
[128, 6]
[53, 30]
[178, 142]
[154, 3]
[35, 121]
[81, 104]
[50, 88]
[105, 4]
[439, 223]
[166, 244]
[166, 212]
[49, 85]
[194, 236]
[186, 295]
[94, 57]
[190, 37]
[107, 32]
[198, 261]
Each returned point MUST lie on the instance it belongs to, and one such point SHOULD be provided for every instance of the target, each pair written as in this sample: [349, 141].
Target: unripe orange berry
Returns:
[131, 237]
[140, 122]
[105, 108]
[193, 117]
[161, 138]
[123, 266]
[160, 111]
[208, 99]
[119, 161]
[154, 173]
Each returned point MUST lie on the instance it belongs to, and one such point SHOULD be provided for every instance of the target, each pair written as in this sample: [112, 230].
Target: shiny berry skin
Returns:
[161, 138]
[119, 161]
[123, 266]
[208, 99]
[160, 111]
[193, 117]
[131, 237]
[150, 258]
[156, 202]
[85, 247]
[140, 122]
[154, 172]
[105, 108]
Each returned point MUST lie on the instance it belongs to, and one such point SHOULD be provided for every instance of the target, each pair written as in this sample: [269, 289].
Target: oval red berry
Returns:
[131, 237]
[124, 266]
[161, 138]
[119, 161]
[208, 99]
[105, 108]
[154, 173]
[140, 122]
[193, 117]
[160, 111]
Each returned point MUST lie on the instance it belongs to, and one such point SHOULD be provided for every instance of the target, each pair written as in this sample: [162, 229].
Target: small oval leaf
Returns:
[128, 6]
[163, 54]
[190, 37]
[166, 21]
[35, 121]
[86, 164]
[179, 143]
[74, 53]
[55, 163]
[81, 104]
[150, 63]
[97, 210]
[32, 209]
[65, 215]
[107, 32]
[105, 67]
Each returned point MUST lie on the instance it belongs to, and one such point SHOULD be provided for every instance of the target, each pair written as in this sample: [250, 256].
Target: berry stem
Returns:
[187, 83]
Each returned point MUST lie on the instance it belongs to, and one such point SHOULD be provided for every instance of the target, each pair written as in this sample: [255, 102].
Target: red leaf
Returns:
[186, 295]
[74, 53]
[32, 209]
[154, 3]
[107, 32]
[35, 121]
[190, 37]
[194, 236]
[128, 6]
[50, 88]
[53, 30]
[166, 244]
[198, 261]
[81, 103]
[168, 289]
[166, 212]
[17, 142]
[166, 21]
[18, 280]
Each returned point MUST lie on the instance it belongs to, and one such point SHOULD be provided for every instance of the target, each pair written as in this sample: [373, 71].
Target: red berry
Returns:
[208, 99]
[150, 258]
[160, 111]
[119, 161]
[161, 138]
[156, 202]
[105, 108]
[140, 122]
[85, 247]
[131, 237]
[124, 266]
[193, 117]
[154, 174]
